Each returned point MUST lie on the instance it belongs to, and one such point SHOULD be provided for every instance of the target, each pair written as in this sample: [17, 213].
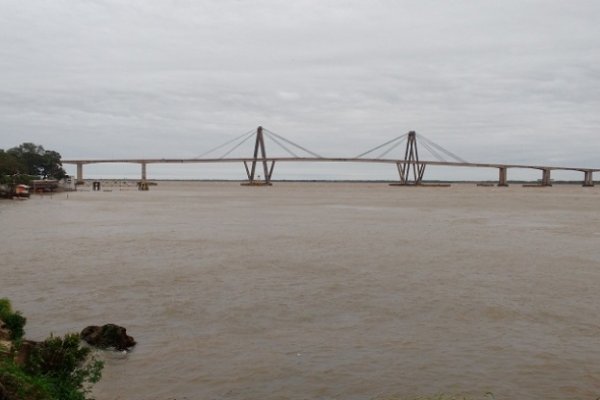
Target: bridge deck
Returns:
[322, 159]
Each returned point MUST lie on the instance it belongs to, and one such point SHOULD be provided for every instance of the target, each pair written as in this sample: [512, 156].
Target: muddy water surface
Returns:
[315, 291]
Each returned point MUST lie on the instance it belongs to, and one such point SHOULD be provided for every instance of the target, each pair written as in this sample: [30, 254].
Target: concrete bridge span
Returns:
[410, 168]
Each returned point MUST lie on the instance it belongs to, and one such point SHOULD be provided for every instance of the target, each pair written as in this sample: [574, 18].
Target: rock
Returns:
[109, 335]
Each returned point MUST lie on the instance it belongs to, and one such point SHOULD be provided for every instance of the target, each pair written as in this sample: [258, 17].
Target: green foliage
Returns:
[63, 357]
[58, 368]
[10, 165]
[16, 324]
[69, 367]
[14, 321]
[30, 155]
[32, 159]
[20, 385]
[5, 307]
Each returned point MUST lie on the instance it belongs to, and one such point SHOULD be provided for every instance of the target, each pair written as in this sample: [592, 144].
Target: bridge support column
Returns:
[546, 177]
[79, 179]
[502, 177]
[143, 184]
[588, 180]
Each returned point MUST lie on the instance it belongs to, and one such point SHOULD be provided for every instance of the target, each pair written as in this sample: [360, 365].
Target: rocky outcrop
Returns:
[108, 336]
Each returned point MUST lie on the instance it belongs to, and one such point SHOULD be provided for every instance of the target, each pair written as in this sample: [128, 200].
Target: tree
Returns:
[38, 162]
[51, 165]
[10, 169]
[9, 164]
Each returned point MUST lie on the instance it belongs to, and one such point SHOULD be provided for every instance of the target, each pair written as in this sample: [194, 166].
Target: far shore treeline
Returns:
[29, 161]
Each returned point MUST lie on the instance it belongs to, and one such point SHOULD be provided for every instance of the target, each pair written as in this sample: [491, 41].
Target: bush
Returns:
[14, 321]
[69, 366]
[58, 368]
[17, 384]
[5, 307]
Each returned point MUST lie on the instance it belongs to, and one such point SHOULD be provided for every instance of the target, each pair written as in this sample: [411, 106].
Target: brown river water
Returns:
[318, 291]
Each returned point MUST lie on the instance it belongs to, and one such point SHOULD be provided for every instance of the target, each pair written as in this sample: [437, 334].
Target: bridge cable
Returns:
[226, 143]
[280, 144]
[237, 145]
[293, 144]
[428, 144]
[381, 145]
[440, 148]
[432, 151]
[391, 148]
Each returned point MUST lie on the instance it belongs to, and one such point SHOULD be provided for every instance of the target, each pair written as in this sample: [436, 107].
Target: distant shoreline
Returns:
[516, 182]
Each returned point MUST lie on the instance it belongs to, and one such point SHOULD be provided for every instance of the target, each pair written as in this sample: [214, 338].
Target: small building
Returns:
[44, 185]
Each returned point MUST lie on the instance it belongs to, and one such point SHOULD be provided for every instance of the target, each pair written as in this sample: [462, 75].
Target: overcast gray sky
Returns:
[510, 81]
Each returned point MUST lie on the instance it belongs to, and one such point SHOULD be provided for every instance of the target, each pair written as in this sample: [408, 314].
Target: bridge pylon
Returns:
[411, 163]
[412, 169]
[259, 145]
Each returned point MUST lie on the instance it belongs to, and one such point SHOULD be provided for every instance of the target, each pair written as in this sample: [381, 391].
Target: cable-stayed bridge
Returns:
[411, 168]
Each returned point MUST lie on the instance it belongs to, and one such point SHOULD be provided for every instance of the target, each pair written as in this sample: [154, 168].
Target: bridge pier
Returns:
[502, 177]
[588, 180]
[546, 177]
[250, 172]
[143, 184]
[79, 179]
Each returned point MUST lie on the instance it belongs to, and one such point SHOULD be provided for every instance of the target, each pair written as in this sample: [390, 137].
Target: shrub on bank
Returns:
[59, 368]
[13, 321]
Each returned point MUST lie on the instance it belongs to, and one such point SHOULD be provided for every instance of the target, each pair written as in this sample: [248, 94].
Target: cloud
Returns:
[507, 81]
